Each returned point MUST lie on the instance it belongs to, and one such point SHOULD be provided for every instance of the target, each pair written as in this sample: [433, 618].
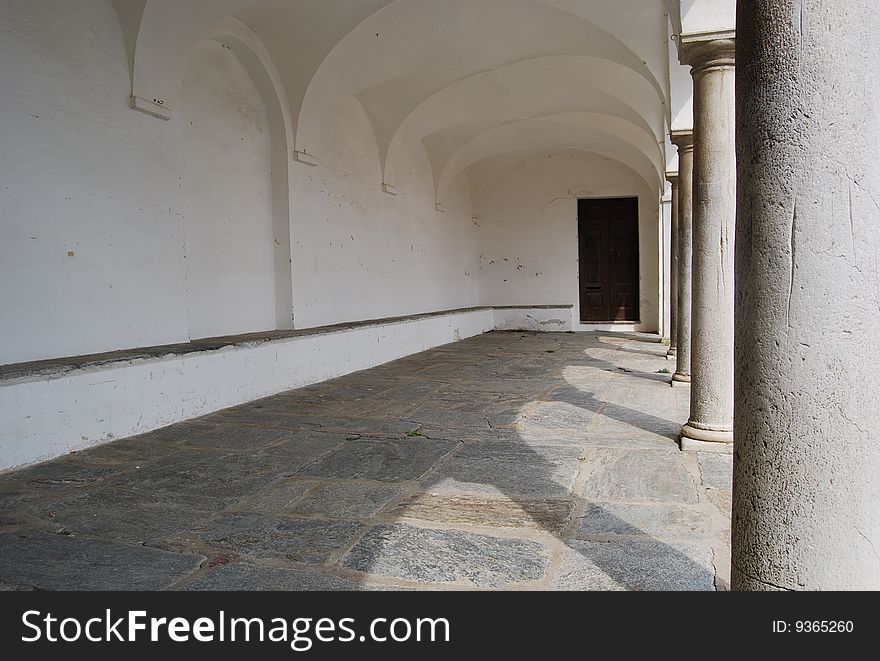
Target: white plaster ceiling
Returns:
[465, 79]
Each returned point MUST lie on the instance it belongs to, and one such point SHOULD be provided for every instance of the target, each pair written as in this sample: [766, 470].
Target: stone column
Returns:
[672, 178]
[684, 141]
[806, 500]
[710, 426]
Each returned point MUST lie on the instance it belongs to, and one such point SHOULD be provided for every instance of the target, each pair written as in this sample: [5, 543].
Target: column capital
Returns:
[708, 50]
[672, 177]
[683, 139]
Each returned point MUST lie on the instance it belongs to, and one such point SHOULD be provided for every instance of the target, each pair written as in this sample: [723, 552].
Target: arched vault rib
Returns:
[444, 146]
[314, 39]
[548, 134]
[166, 29]
[252, 53]
[405, 53]
[488, 173]
[535, 88]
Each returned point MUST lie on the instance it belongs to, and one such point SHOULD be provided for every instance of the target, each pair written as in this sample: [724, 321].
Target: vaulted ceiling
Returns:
[466, 79]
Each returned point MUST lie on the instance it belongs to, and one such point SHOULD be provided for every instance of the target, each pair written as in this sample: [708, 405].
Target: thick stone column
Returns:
[684, 141]
[806, 500]
[672, 178]
[710, 426]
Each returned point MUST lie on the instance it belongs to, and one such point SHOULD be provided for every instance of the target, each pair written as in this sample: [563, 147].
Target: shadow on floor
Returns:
[287, 480]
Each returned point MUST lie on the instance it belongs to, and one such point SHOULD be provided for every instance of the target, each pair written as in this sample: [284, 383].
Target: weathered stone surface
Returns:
[263, 417]
[472, 434]
[18, 496]
[234, 437]
[560, 416]
[383, 460]
[414, 391]
[243, 577]
[714, 224]
[514, 470]
[684, 142]
[528, 388]
[646, 476]
[722, 499]
[623, 437]
[666, 521]
[716, 469]
[439, 556]
[341, 423]
[275, 538]
[224, 476]
[298, 477]
[635, 420]
[229, 476]
[117, 513]
[59, 562]
[60, 474]
[289, 456]
[346, 500]
[434, 414]
[137, 450]
[278, 497]
[635, 565]
[378, 408]
[551, 515]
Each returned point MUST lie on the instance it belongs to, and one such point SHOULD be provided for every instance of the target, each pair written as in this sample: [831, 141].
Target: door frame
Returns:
[637, 261]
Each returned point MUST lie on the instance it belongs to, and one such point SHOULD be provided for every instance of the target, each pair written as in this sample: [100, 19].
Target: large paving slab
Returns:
[468, 510]
[233, 437]
[426, 555]
[514, 470]
[244, 577]
[674, 521]
[383, 460]
[635, 565]
[229, 476]
[347, 500]
[507, 461]
[267, 538]
[59, 562]
[716, 469]
[639, 476]
[118, 513]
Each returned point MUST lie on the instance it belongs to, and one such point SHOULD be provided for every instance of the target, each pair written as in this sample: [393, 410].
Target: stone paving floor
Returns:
[516, 461]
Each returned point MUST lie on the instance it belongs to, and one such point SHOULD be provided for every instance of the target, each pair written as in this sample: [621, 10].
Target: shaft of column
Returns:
[684, 140]
[807, 457]
[710, 426]
[672, 178]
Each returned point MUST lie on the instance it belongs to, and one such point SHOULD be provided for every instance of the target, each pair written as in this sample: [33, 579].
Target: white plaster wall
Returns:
[226, 202]
[169, 223]
[543, 320]
[526, 207]
[360, 253]
[707, 15]
[681, 92]
[81, 173]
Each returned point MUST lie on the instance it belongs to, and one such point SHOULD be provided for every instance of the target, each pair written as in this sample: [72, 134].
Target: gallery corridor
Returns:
[506, 461]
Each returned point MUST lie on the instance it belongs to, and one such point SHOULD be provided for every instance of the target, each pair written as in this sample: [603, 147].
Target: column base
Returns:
[694, 439]
[681, 380]
[672, 353]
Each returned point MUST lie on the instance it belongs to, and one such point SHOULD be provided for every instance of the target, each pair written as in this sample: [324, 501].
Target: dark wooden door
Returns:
[608, 239]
